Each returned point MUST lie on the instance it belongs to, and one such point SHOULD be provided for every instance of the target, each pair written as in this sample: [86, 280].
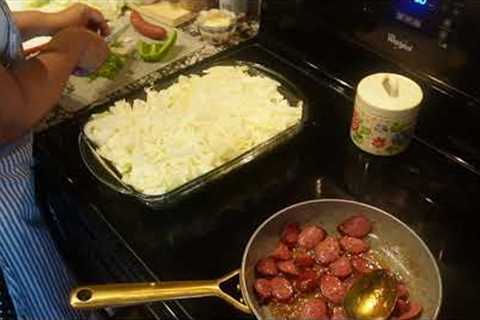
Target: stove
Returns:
[433, 186]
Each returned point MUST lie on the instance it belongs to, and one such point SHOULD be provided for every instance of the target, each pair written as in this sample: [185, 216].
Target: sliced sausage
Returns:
[401, 307]
[147, 29]
[287, 267]
[290, 234]
[306, 281]
[355, 226]
[338, 313]
[402, 291]
[413, 312]
[267, 267]
[282, 289]
[311, 236]
[341, 268]
[263, 289]
[304, 260]
[282, 252]
[332, 289]
[362, 265]
[354, 245]
[314, 309]
[327, 251]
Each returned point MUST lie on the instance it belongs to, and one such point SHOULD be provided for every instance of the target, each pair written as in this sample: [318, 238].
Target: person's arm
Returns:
[32, 24]
[30, 89]
[35, 23]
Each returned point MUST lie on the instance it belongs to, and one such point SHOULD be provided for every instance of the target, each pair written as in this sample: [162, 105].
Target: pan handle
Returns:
[239, 305]
[117, 295]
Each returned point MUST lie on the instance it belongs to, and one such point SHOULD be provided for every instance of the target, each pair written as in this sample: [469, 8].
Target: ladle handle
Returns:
[126, 294]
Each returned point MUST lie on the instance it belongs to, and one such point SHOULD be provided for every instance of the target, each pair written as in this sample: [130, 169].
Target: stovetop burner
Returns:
[204, 236]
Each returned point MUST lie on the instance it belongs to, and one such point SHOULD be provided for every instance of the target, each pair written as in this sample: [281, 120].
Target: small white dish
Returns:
[217, 26]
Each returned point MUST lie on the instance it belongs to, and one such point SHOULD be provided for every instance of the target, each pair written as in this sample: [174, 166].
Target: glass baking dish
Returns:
[107, 174]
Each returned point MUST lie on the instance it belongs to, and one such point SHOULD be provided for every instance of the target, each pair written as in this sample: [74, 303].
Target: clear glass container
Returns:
[106, 173]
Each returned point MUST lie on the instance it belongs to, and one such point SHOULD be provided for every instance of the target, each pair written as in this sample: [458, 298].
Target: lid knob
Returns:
[391, 85]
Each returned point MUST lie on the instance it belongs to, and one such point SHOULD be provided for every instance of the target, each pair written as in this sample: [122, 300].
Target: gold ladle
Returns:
[372, 297]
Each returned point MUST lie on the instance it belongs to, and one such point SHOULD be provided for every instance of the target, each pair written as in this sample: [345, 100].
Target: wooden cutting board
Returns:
[165, 12]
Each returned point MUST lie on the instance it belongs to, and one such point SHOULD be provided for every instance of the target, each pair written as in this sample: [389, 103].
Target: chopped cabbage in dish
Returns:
[190, 128]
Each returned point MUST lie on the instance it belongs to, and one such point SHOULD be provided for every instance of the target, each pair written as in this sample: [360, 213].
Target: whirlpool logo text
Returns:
[399, 44]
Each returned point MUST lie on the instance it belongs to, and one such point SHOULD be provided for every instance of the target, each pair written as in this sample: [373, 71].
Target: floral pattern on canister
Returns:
[380, 136]
[355, 121]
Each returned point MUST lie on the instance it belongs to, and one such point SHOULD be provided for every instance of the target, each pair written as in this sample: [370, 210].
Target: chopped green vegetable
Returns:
[110, 69]
[37, 3]
[155, 52]
[116, 44]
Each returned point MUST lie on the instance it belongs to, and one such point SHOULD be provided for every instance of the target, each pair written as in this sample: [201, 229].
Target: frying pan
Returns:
[392, 242]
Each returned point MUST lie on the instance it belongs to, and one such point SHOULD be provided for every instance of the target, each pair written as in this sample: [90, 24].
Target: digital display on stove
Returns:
[420, 2]
[417, 13]
[417, 7]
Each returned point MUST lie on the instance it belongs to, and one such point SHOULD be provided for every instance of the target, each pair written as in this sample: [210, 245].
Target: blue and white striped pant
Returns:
[36, 277]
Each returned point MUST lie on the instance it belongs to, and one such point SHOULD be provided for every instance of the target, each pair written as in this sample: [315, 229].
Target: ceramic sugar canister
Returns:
[385, 113]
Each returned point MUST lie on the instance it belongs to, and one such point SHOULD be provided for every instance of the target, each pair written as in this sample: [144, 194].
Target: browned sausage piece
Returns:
[401, 307]
[287, 267]
[304, 260]
[282, 289]
[362, 265]
[147, 29]
[327, 251]
[402, 291]
[414, 311]
[341, 268]
[306, 281]
[267, 267]
[282, 252]
[338, 313]
[263, 289]
[354, 245]
[332, 289]
[290, 234]
[311, 236]
[356, 226]
[314, 309]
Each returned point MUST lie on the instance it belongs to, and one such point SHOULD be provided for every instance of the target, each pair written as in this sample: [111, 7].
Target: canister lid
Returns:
[389, 95]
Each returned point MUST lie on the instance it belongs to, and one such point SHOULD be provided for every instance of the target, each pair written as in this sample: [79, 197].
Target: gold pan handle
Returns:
[116, 295]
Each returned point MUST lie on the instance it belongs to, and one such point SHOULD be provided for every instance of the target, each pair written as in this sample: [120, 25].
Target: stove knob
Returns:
[447, 23]
[442, 39]
[442, 35]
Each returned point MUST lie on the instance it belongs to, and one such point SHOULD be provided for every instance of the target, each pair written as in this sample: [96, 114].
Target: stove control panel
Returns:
[439, 39]
[436, 18]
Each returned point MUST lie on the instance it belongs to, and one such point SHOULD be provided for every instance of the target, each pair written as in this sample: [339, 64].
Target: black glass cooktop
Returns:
[204, 236]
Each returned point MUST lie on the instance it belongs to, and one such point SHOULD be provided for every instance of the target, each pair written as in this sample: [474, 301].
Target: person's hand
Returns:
[95, 53]
[86, 49]
[80, 15]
